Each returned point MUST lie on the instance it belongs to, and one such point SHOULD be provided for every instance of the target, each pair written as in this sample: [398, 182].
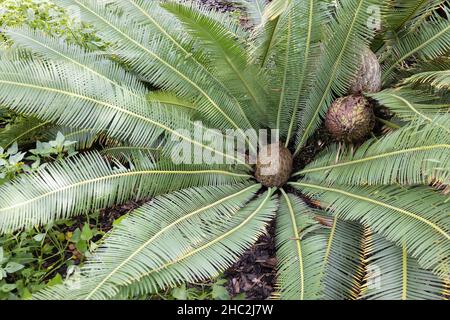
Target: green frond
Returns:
[393, 275]
[415, 154]
[264, 38]
[437, 79]
[229, 55]
[342, 266]
[416, 216]
[94, 63]
[430, 41]
[157, 60]
[41, 90]
[295, 56]
[441, 63]
[185, 236]
[88, 182]
[403, 14]
[22, 130]
[410, 105]
[276, 8]
[170, 99]
[167, 25]
[160, 21]
[298, 252]
[345, 39]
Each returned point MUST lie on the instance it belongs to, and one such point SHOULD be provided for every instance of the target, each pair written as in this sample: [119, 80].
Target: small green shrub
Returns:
[46, 16]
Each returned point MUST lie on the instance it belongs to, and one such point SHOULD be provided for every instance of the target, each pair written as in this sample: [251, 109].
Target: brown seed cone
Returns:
[273, 171]
[350, 118]
[368, 78]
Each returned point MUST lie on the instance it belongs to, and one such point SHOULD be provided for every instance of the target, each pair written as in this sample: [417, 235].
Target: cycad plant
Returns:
[368, 218]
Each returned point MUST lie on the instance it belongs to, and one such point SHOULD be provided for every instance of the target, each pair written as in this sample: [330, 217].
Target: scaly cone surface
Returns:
[350, 119]
[368, 79]
[274, 165]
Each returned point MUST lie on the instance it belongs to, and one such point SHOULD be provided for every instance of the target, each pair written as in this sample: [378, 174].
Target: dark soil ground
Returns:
[219, 5]
[254, 274]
